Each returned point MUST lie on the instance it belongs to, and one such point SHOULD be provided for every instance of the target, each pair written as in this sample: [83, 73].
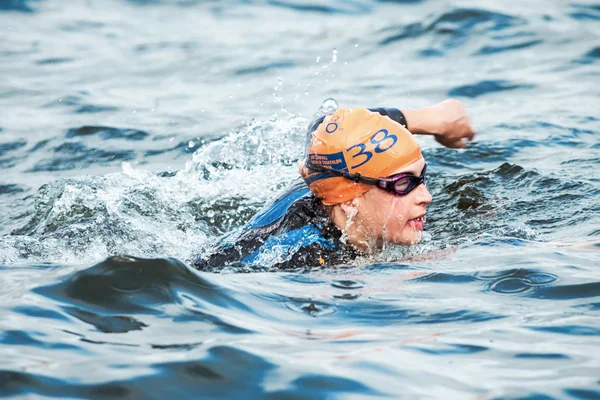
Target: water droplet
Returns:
[334, 56]
[310, 307]
[511, 285]
[347, 284]
[191, 144]
[328, 106]
[318, 59]
[541, 278]
[347, 296]
[127, 168]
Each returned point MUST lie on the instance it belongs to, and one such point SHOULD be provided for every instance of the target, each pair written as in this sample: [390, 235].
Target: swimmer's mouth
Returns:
[422, 218]
[417, 223]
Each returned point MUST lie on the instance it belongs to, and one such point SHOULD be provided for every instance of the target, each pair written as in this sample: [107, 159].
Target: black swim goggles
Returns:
[398, 184]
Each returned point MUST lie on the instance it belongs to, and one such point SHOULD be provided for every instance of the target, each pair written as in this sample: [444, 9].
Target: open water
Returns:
[134, 133]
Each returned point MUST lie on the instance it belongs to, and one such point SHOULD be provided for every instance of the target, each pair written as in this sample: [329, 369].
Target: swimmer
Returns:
[363, 186]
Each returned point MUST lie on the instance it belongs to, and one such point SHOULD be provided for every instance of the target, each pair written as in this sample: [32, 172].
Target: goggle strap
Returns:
[357, 178]
[381, 183]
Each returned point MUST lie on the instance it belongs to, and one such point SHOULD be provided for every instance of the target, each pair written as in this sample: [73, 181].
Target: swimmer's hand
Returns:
[447, 121]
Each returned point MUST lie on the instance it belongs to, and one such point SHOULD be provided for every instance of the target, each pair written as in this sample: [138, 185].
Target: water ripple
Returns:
[576, 330]
[486, 50]
[80, 105]
[335, 7]
[23, 338]
[568, 292]
[454, 26]
[453, 349]
[107, 133]
[243, 372]
[11, 146]
[347, 284]
[274, 65]
[542, 356]
[583, 394]
[11, 189]
[55, 60]
[585, 12]
[132, 285]
[76, 155]
[590, 57]
[17, 5]
[485, 87]
[106, 324]
[309, 306]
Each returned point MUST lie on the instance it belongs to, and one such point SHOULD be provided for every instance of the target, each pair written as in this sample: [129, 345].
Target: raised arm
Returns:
[447, 121]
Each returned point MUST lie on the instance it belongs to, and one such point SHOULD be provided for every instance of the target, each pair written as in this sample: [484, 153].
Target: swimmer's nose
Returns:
[423, 195]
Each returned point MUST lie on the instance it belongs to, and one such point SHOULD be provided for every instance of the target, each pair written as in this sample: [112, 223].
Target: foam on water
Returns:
[139, 213]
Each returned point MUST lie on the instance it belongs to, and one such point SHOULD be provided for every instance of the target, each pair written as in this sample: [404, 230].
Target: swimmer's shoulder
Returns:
[290, 200]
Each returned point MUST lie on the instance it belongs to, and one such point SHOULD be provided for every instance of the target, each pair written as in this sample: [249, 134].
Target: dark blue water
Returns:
[134, 133]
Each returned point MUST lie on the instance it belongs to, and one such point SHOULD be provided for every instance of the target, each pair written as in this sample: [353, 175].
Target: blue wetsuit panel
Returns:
[289, 243]
[278, 208]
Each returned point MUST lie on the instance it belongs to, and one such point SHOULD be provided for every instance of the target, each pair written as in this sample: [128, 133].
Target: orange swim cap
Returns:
[356, 140]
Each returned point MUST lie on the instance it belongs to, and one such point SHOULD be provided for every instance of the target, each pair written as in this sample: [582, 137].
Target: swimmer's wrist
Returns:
[421, 121]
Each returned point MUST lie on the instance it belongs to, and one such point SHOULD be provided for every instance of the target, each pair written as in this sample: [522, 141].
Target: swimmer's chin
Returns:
[410, 237]
[419, 237]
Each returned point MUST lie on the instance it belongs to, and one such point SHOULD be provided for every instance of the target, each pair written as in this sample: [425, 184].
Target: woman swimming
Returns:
[363, 185]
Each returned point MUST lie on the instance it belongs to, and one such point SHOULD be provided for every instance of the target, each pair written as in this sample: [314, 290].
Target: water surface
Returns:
[134, 133]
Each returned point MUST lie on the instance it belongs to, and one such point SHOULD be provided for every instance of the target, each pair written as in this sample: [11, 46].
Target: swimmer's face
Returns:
[384, 217]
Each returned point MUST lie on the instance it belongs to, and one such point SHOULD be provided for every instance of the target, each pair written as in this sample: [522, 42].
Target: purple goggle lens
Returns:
[402, 184]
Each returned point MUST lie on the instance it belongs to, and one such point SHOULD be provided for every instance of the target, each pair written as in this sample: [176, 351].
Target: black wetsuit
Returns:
[293, 232]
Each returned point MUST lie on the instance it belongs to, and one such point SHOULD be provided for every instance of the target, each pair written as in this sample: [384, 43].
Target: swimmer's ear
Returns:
[346, 207]
[350, 207]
